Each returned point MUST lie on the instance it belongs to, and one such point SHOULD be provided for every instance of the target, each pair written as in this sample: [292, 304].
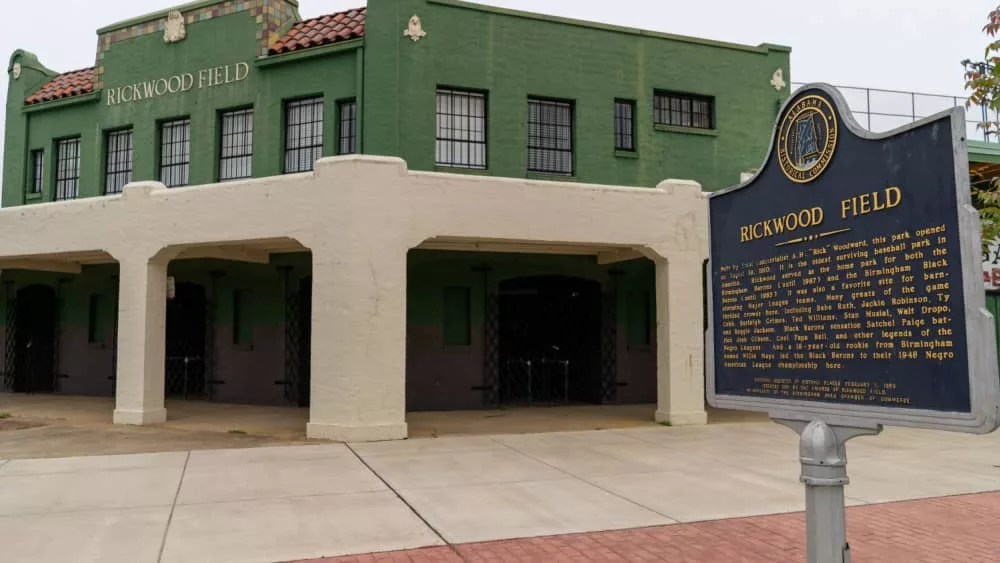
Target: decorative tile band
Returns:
[271, 16]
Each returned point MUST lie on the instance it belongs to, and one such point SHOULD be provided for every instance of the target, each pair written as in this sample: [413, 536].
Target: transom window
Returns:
[175, 152]
[118, 169]
[303, 134]
[461, 129]
[624, 125]
[550, 136]
[348, 131]
[236, 151]
[683, 110]
[37, 171]
[68, 169]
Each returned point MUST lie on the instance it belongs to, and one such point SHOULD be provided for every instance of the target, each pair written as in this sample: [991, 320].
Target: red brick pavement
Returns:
[958, 529]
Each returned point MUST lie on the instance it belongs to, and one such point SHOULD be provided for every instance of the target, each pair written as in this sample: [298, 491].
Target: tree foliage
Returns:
[982, 79]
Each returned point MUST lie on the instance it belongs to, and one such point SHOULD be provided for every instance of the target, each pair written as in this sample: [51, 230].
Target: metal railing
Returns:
[881, 110]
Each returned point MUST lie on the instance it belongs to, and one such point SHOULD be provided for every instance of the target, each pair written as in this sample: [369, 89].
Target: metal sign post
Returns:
[845, 293]
[823, 455]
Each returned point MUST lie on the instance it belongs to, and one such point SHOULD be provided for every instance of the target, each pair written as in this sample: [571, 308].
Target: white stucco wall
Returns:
[359, 215]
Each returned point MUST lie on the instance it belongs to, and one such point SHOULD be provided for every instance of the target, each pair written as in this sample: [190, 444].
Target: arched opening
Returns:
[185, 346]
[549, 340]
[34, 340]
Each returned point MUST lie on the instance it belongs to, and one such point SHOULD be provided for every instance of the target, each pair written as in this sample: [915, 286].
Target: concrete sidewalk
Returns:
[274, 504]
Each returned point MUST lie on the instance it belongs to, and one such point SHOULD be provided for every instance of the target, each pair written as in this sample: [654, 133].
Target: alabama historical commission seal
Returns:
[807, 138]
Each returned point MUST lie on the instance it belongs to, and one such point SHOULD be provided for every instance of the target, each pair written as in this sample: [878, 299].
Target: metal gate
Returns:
[32, 335]
[10, 318]
[550, 341]
[298, 331]
[186, 342]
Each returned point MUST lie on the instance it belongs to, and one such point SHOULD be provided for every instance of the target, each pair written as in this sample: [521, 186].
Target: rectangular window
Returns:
[242, 324]
[303, 134]
[175, 152]
[457, 324]
[118, 169]
[624, 125]
[550, 137]
[236, 150]
[37, 172]
[683, 110]
[461, 129]
[639, 318]
[67, 169]
[95, 320]
[348, 130]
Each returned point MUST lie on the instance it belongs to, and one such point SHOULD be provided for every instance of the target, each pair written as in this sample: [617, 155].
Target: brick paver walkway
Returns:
[959, 529]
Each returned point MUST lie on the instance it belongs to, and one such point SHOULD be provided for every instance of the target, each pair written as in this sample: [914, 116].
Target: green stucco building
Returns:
[220, 91]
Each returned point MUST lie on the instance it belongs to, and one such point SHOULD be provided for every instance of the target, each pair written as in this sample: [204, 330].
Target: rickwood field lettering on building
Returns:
[204, 78]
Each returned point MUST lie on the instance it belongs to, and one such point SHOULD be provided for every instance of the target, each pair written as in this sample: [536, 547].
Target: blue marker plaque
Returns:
[844, 277]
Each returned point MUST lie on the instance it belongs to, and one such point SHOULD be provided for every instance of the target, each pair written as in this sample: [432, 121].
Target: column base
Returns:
[696, 418]
[140, 417]
[342, 433]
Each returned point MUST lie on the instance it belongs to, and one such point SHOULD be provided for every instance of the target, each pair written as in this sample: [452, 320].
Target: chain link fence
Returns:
[881, 110]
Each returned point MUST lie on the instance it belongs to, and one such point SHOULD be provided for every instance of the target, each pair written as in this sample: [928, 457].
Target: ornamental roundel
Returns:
[807, 139]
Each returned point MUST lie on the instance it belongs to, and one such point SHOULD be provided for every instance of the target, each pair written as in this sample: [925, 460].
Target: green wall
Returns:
[512, 56]
[329, 72]
[509, 55]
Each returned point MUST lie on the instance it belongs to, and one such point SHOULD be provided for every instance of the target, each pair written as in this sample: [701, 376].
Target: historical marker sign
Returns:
[844, 279]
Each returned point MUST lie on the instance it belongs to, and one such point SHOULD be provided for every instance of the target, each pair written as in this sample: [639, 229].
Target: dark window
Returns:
[683, 110]
[119, 161]
[303, 134]
[640, 316]
[37, 171]
[95, 319]
[461, 129]
[624, 125]
[348, 132]
[242, 323]
[68, 169]
[236, 151]
[550, 137]
[175, 152]
[457, 324]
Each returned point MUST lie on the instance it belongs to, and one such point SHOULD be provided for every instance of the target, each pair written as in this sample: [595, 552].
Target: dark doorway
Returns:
[305, 332]
[185, 348]
[550, 340]
[34, 340]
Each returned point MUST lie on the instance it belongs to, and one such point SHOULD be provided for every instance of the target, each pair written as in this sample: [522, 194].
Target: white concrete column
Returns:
[141, 340]
[358, 370]
[680, 347]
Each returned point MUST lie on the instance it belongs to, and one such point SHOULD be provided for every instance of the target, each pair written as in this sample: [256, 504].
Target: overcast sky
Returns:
[913, 45]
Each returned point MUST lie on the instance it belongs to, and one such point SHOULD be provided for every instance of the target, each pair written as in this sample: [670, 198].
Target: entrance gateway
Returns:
[844, 292]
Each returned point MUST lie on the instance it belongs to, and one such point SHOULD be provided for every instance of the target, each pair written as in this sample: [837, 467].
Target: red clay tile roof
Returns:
[65, 85]
[322, 31]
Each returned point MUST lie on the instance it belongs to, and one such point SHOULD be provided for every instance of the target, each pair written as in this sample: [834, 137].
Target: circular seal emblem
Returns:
[807, 138]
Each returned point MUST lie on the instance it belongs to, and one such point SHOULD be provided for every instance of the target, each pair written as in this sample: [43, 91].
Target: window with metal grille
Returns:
[67, 169]
[236, 150]
[303, 134]
[550, 136]
[118, 170]
[683, 110]
[175, 152]
[461, 129]
[37, 171]
[348, 130]
[624, 125]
